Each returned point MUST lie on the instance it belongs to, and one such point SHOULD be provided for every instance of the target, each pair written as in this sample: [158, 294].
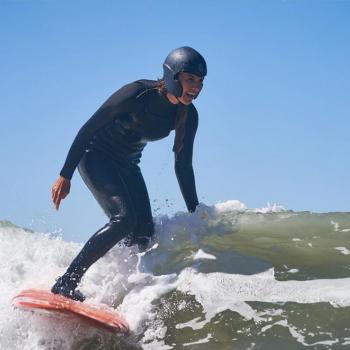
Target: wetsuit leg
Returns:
[144, 229]
[108, 185]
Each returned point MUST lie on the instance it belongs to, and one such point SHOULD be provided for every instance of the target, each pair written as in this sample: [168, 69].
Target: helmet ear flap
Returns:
[171, 82]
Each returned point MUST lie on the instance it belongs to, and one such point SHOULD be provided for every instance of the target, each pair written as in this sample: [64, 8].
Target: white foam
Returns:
[153, 338]
[219, 291]
[270, 208]
[33, 260]
[229, 206]
[335, 225]
[194, 324]
[202, 255]
[346, 341]
[297, 335]
[343, 250]
[237, 206]
[200, 341]
[137, 304]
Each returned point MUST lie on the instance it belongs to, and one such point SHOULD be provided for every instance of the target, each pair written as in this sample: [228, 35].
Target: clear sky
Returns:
[274, 111]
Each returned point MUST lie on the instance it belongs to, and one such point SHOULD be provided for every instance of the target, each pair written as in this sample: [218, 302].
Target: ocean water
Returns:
[226, 277]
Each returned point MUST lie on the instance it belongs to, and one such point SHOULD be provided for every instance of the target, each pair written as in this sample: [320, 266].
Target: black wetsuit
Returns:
[107, 151]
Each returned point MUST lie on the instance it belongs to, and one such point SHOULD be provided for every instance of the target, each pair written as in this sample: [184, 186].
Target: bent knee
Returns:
[126, 223]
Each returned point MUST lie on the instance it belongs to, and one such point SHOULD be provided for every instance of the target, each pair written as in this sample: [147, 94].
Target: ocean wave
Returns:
[225, 275]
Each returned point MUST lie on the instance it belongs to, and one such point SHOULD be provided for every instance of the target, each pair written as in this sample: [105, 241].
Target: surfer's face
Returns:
[191, 87]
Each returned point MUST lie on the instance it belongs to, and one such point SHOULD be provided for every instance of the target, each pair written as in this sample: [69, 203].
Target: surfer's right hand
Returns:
[60, 190]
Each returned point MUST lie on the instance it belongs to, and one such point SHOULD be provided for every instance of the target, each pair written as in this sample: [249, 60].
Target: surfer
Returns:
[107, 151]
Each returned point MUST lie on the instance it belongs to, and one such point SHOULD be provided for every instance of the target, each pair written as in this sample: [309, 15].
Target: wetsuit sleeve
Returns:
[122, 101]
[183, 162]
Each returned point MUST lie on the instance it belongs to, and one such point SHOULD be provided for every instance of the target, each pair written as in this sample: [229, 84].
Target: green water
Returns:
[299, 246]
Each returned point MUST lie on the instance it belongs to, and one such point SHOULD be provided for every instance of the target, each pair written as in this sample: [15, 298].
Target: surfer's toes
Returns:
[67, 291]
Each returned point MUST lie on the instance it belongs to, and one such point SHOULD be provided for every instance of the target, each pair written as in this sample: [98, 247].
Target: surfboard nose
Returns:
[98, 314]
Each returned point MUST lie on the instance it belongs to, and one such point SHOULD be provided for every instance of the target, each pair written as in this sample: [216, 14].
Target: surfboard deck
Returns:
[102, 315]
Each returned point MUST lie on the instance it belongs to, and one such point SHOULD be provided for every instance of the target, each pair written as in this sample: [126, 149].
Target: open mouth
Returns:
[190, 95]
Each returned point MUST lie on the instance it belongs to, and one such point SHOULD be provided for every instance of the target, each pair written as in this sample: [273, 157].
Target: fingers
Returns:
[57, 203]
[56, 197]
[54, 194]
[60, 190]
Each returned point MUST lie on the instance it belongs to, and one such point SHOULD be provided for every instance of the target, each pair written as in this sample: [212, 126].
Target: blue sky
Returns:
[274, 112]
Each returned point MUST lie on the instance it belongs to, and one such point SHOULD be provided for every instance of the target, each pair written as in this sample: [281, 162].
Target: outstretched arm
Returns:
[183, 162]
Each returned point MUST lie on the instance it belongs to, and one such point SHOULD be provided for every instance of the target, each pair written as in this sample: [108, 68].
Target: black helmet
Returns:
[183, 59]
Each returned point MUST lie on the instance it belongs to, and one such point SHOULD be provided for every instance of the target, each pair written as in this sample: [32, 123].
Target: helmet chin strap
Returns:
[182, 92]
[178, 99]
[175, 97]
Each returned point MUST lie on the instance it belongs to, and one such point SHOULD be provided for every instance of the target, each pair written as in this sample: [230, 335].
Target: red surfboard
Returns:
[102, 315]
